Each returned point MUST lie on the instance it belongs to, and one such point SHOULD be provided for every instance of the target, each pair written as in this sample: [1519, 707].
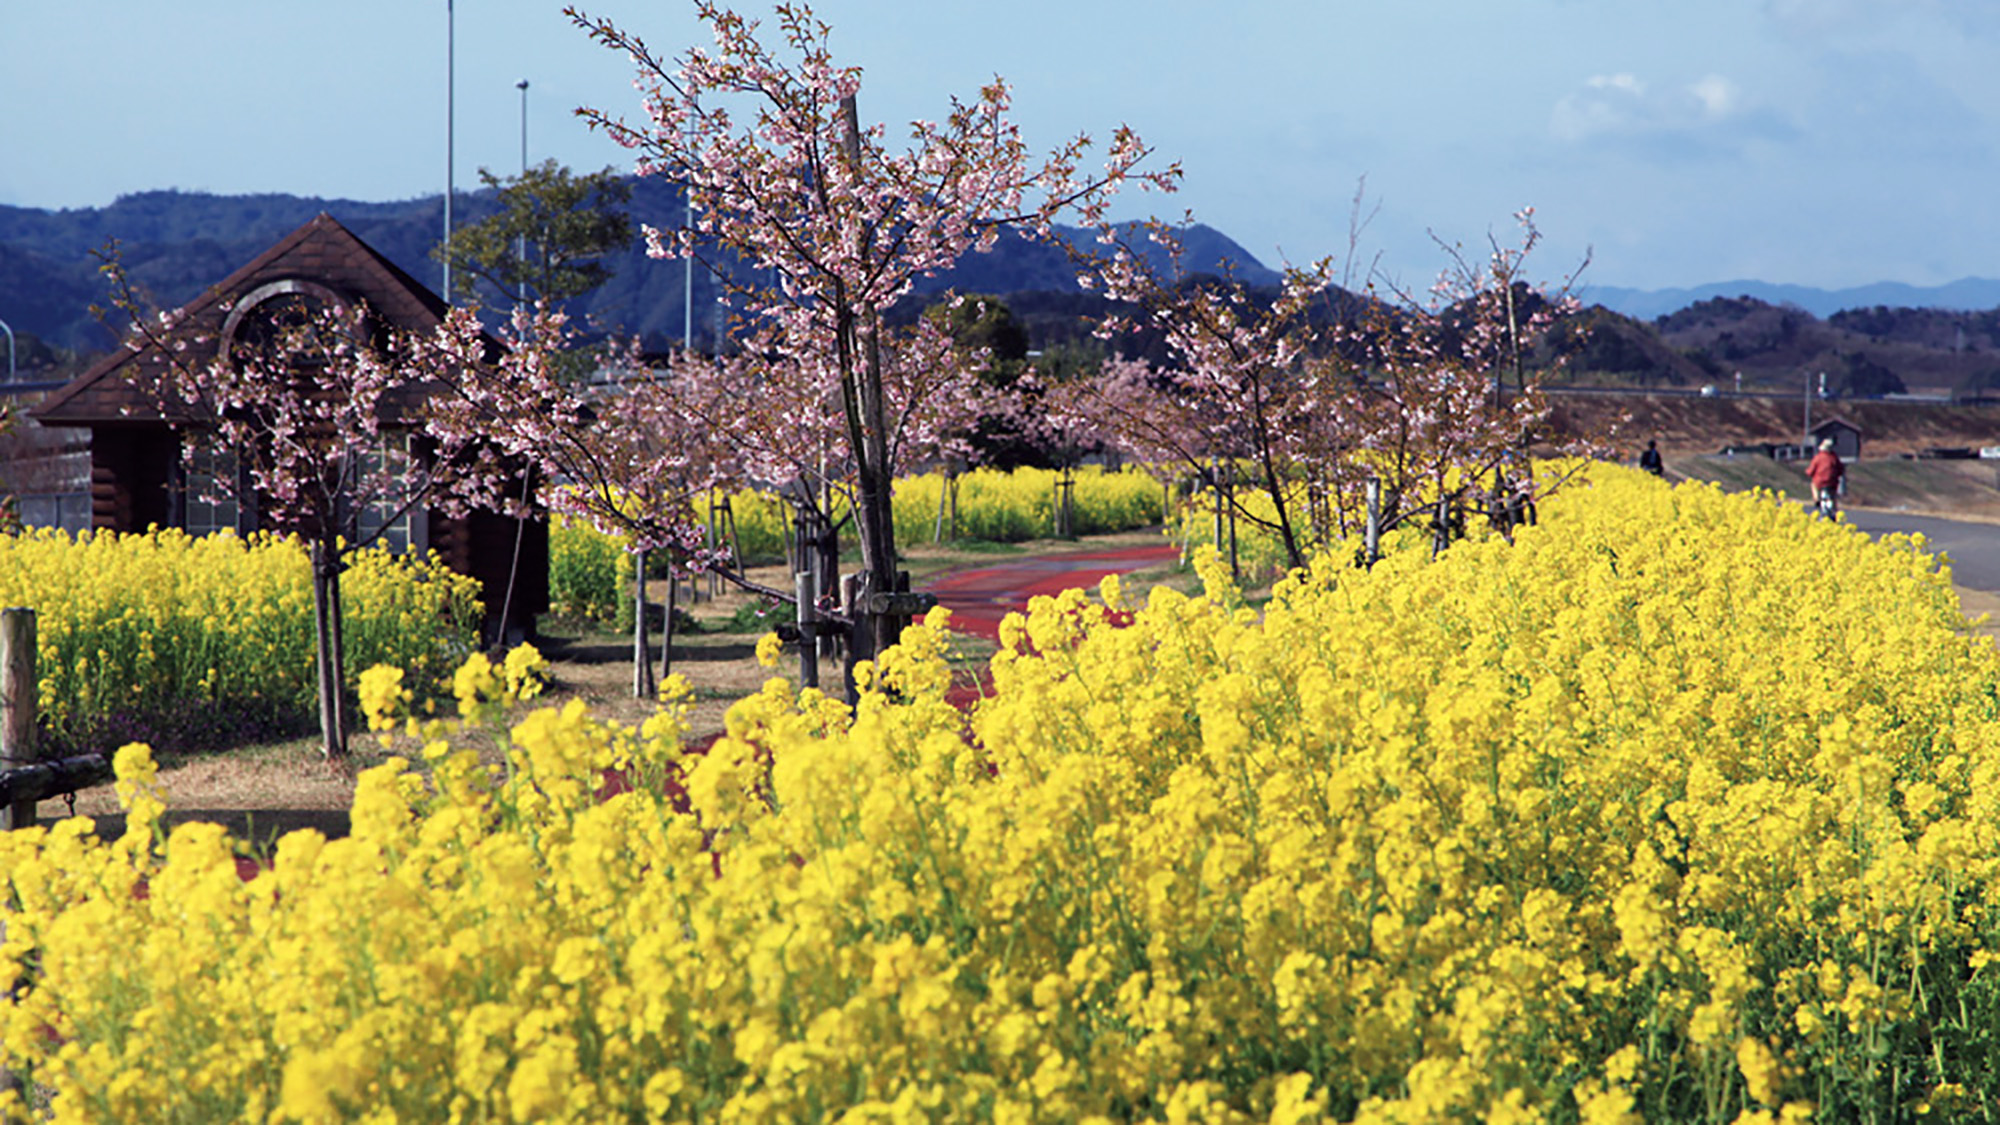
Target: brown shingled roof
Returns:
[321, 252]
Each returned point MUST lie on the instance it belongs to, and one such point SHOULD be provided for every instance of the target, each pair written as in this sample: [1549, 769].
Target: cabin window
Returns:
[385, 516]
[209, 492]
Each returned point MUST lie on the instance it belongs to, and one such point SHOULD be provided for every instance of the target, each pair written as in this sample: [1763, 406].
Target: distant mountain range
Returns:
[176, 243]
[1876, 339]
[1967, 294]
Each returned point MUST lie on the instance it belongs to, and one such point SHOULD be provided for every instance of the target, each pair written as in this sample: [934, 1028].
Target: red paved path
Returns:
[979, 598]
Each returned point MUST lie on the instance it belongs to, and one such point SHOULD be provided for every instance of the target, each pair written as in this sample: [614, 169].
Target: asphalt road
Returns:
[1973, 548]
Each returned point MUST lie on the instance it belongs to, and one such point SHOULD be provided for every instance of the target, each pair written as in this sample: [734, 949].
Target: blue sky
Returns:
[1816, 142]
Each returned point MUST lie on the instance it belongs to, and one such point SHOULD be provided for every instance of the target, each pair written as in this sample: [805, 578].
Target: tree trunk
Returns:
[643, 686]
[1215, 484]
[858, 345]
[1237, 571]
[667, 628]
[327, 648]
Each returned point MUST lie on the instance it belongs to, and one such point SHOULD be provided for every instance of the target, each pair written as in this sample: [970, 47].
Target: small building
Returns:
[139, 477]
[1845, 434]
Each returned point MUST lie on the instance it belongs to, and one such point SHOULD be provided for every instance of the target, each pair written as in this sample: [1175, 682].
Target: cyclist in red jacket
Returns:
[1825, 472]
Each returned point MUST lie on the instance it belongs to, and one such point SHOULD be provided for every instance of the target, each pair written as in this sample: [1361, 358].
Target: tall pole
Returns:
[1807, 440]
[10, 349]
[687, 274]
[450, 56]
[521, 250]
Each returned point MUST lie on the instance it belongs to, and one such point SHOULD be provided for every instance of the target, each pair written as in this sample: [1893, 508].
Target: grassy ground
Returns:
[264, 791]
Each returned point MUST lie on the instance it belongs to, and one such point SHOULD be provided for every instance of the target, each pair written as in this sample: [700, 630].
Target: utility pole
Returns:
[521, 250]
[1807, 438]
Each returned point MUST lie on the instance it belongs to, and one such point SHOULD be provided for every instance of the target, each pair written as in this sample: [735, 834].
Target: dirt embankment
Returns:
[1690, 424]
[1691, 430]
[1952, 489]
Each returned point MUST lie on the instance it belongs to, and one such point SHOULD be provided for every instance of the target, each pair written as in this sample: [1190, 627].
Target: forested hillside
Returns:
[173, 243]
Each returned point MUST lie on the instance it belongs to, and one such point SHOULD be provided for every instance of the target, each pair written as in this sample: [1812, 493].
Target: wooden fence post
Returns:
[18, 699]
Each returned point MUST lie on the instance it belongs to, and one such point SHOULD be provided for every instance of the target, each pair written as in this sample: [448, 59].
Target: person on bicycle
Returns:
[1825, 472]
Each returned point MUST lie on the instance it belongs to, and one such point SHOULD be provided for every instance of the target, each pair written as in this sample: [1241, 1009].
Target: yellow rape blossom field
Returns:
[1641, 817]
[207, 638]
[590, 571]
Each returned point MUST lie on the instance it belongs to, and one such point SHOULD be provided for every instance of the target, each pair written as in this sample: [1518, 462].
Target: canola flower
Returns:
[152, 629]
[1637, 818]
[1258, 549]
[1017, 504]
[590, 573]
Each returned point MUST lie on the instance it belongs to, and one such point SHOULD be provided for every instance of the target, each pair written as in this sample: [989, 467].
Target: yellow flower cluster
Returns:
[590, 573]
[1020, 503]
[1682, 807]
[1249, 520]
[136, 631]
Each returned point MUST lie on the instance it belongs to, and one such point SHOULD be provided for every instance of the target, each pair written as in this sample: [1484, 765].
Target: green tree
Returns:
[548, 239]
[983, 322]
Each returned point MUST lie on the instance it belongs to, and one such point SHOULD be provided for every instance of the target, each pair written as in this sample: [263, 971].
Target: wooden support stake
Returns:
[850, 597]
[802, 588]
[18, 699]
[1372, 532]
[19, 694]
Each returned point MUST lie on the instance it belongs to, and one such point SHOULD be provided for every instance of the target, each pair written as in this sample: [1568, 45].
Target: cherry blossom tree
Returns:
[1241, 389]
[1438, 420]
[308, 411]
[638, 449]
[1328, 398]
[817, 226]
[776, 426]
[603, 447]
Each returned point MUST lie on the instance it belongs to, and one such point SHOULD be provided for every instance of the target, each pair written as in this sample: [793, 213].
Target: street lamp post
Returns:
[450, 27]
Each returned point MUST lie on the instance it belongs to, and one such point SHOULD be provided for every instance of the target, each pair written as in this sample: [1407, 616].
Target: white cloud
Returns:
[1717, 95]
[1607, 104]
[1623, 107]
